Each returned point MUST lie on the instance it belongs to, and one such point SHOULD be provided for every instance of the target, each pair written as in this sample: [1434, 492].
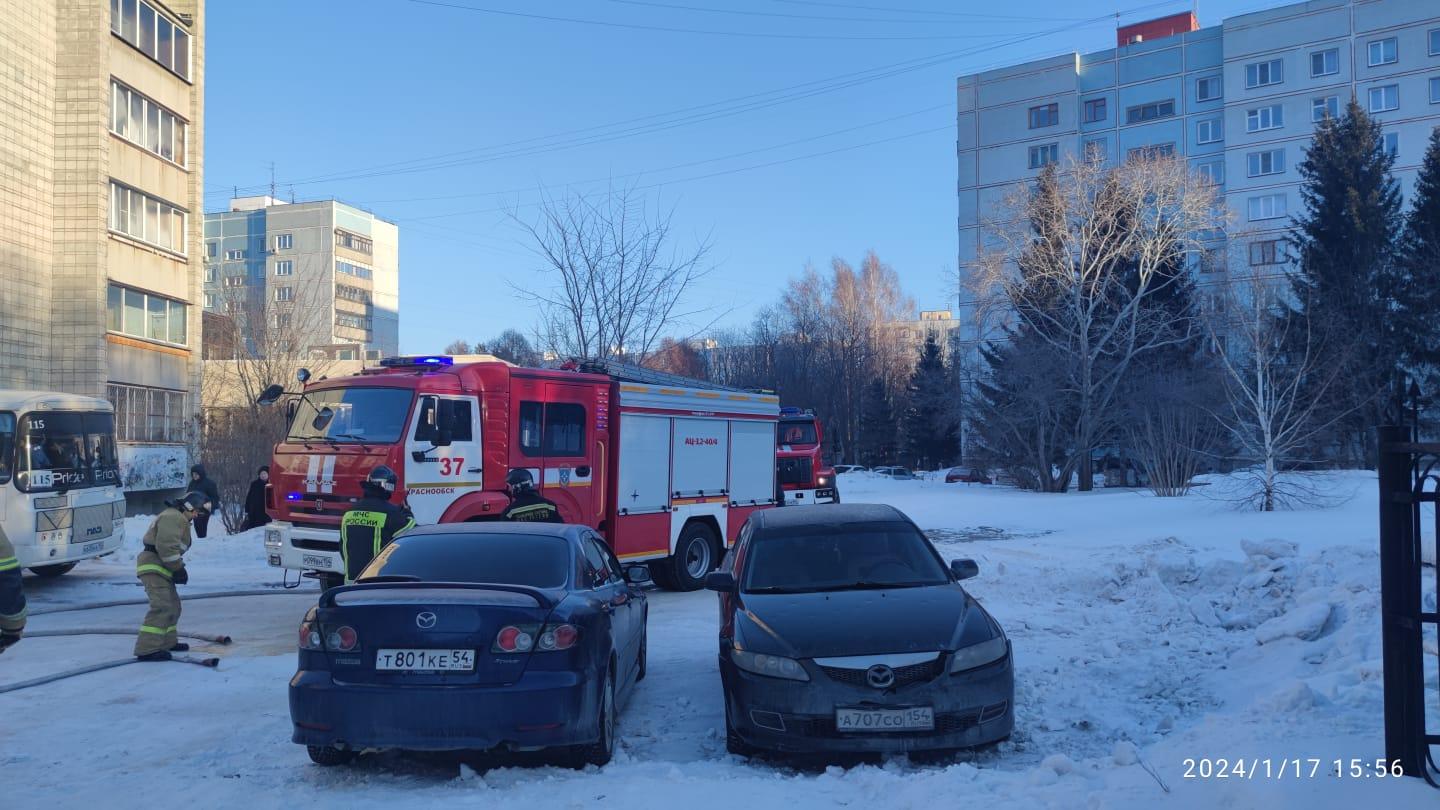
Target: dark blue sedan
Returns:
[473, 637]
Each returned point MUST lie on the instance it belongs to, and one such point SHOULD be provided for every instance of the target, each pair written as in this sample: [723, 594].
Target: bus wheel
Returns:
[52, 571]
[696, 554]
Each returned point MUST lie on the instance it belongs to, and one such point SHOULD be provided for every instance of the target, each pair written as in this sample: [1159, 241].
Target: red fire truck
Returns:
[665, 468]
[799, 462]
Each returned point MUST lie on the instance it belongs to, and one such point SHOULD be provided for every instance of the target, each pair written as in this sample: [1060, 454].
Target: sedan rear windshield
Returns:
[842, 557]
[506, 559]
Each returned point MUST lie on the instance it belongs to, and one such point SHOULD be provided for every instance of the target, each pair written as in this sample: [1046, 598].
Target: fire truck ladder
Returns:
[628, 372]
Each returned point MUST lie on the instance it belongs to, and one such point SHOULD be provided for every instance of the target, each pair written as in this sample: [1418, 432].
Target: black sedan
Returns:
[842, 630]
[473, 637]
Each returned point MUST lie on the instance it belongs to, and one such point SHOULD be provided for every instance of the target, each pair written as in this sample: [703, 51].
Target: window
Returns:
[144, 414]
[1435, 42]
[1390, 143]
[1046, 115]
[1212, 171]
[1263, 118]
[284, 293]
[564, 429]
[352, 293]
[457, 412]
[211, 275]
[234, 255]
[234, 281]
[1044, 155]
[350, 321]
[1212, 260]
[1325, 63]
[1094, 110]
[1150, 112]
[1268, 162]
[209, 300]
[1209, 131]
[211, 250]
[353, 241]
[1435, 90]
[1270, 251]
[1152, 151]
[1268, 206]
[349, 269]
[284, 241]
[531, 415]
[139, 314]
[1321, 107]
[1261, 74]
[285, 267]
[1097, 148]
[1208, 88]
[283, 320]
[1384, 52]
[140, 24]
[1385, 98]
[147, 219]
[146, 124]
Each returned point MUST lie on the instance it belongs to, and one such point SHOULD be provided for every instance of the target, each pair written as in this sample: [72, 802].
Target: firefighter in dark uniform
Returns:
[160, 567]
[12, 595]
[372, 522]
[527, 505]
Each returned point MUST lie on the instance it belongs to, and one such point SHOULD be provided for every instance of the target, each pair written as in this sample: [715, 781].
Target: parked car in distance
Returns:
[898, 473]
[473, 636]
[966, 475]
[850, 468]
[843, 630]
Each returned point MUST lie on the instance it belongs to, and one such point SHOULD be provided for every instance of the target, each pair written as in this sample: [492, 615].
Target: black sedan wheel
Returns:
[600, 751]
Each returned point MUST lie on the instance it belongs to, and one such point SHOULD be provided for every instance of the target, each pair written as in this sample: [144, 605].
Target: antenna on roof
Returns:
[272, 179]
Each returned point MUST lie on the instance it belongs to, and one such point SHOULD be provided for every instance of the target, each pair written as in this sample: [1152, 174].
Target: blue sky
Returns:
[441, 117]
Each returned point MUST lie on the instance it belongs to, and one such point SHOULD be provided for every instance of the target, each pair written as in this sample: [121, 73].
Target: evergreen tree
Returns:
[1022, 414]
[1417, 282]
[930, 423]
[877, 426]
[1345, 243]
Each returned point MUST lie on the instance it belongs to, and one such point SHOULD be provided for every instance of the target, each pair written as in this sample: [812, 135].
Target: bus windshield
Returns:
[374, 415]
[60, 450]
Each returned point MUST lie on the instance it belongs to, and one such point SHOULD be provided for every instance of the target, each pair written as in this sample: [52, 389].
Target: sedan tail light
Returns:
[521, 638]
[342, 639]
[317, 638]
[310, 638]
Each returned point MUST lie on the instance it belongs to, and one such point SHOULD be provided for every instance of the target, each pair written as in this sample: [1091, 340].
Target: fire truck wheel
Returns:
[696, 554]
[52, 571]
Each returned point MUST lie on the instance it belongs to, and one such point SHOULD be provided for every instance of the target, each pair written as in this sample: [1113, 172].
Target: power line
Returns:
[702, 31]
[784, 95]
[822, 17]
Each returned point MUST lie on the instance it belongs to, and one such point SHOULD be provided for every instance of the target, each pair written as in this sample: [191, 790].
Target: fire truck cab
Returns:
[800, 462]
[666, 472]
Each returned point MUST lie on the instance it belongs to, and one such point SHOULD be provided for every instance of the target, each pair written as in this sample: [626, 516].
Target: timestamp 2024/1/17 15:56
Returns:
[1243, 768]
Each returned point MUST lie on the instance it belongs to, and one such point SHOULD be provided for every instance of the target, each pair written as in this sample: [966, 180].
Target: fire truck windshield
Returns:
[352, 415]
[796, 433]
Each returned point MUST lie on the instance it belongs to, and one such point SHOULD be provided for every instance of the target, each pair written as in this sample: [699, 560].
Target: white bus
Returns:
[60, 495]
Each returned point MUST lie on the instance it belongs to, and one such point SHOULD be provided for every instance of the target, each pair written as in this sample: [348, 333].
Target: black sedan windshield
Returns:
[842, 557]
[508, 559]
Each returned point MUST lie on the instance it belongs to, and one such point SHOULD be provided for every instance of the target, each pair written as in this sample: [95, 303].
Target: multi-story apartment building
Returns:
[323, 276]
[101, 146]
[1238, 101]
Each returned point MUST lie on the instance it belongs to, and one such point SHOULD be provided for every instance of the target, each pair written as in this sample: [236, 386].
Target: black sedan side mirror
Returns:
[720, 581]
[638, 575]
[964, 569]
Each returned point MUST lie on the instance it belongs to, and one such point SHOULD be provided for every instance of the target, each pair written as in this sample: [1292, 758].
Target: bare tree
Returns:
[618, 280]
[1275, 382]
[511, 346]
[256, 343]
[1103, 240]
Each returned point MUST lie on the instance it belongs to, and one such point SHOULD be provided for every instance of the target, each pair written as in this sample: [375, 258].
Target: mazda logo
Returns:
[427, 620]
[880, 676]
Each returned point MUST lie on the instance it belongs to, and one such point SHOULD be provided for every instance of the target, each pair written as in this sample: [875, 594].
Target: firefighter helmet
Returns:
[519, 480]
[382, 478]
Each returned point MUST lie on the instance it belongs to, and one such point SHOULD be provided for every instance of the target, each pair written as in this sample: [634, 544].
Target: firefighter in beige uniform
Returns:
[12, 595]
[160, 568]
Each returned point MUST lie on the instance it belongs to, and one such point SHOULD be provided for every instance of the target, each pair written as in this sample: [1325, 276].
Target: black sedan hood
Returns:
[863, 622]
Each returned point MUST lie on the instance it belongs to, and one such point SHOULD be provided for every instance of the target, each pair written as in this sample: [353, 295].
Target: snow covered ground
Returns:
[1147, 632]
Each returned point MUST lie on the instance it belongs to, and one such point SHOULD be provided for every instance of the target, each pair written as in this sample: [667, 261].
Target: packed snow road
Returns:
[1151, 637]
